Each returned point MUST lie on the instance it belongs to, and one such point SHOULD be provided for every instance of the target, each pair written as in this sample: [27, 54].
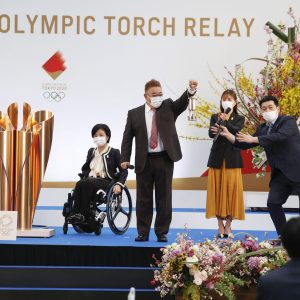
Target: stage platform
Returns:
[109, 239]
[86, 266]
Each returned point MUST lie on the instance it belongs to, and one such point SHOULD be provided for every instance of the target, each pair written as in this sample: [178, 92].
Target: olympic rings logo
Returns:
[56, 96]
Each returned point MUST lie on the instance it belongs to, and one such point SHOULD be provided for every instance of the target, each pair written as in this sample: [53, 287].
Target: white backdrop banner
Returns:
[87, 62]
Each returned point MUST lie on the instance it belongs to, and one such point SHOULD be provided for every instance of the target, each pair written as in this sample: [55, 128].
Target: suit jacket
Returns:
[283, 283]
[166, 116]
[222, 148]
[111, 159]
[282, 146]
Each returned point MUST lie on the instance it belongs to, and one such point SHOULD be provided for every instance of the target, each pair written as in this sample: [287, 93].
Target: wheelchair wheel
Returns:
[119, 209]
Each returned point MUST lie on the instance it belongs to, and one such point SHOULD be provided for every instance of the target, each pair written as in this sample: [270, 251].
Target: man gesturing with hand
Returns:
[280, 138]
[156, 149]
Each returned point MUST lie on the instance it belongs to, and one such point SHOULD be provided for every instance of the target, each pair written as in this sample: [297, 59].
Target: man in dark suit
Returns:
[280, 138]
[284, 283]
[156, 149]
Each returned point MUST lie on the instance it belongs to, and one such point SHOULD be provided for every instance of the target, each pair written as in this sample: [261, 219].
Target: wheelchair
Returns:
[116, 207]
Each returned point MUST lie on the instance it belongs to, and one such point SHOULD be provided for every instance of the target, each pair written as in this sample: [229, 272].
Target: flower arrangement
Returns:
[280, 77]
[194, 270]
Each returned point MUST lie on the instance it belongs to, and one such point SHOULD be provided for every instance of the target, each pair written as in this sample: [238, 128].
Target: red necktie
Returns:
[154, 131]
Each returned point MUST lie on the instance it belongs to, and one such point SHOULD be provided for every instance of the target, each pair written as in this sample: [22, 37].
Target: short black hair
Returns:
[290, 237]
[104, 127]
[269, 98]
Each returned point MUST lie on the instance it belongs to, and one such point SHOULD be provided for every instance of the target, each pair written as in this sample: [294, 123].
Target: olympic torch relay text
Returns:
[165, 26]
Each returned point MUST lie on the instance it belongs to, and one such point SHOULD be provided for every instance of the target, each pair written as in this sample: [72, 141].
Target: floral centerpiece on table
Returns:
[195, 270]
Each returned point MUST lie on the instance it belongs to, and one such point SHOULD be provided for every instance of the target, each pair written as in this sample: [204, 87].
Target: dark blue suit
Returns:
[282, 147]
[283, 283]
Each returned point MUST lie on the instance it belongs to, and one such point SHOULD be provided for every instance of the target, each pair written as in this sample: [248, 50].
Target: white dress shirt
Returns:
[148, 118]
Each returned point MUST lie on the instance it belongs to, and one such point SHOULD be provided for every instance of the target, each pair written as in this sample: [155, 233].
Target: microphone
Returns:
[220, 122]
[131, 167]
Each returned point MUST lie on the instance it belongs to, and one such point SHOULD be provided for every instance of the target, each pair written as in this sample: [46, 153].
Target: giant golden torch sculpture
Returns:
[24, 156]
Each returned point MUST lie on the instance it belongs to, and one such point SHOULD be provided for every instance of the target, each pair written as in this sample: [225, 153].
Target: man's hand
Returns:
[193, 84]
[246, 138]
[226, 134]
[117, 189]
[125, 165]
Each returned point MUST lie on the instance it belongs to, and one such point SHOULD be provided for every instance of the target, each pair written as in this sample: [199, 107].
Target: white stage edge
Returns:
[36, 232]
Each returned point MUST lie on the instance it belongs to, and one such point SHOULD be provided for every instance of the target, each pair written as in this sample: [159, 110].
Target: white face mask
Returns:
[156, 101]
[99, 140]
[270, 116]
[227, 104]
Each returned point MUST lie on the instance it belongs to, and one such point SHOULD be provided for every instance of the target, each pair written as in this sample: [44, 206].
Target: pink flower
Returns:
[256, 262]
[210, 285]
[268, 29]
[250, 244]
[253, 262]
[290, 81]
[290, 12]
[295, 56]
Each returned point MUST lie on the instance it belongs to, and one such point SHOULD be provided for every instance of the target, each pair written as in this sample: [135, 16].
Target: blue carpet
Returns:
[108, 238]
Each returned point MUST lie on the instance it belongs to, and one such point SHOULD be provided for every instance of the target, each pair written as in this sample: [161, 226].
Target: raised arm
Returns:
[181, 104]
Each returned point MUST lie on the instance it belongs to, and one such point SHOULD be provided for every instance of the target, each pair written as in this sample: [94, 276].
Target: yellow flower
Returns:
[290, 101]
[246, 84]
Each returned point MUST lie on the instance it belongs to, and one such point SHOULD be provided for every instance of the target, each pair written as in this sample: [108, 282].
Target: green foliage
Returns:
[191, 292]
[226, 285]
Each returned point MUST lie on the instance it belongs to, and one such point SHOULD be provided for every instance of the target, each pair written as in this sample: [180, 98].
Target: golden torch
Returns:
[24, 156]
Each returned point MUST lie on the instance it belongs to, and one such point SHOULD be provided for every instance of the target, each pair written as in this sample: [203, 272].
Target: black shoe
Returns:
[162, 238]
[142, 238]
[221, 236]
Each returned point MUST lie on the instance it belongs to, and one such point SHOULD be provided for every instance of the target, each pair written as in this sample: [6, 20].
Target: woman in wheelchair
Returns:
[98, 171]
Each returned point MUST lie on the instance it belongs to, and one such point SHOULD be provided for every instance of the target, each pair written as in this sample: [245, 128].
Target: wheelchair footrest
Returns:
[76, 218]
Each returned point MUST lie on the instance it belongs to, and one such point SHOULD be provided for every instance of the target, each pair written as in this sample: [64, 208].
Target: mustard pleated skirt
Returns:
[225, 196]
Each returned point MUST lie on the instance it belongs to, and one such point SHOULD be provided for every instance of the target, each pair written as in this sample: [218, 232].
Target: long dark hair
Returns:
[231, 93]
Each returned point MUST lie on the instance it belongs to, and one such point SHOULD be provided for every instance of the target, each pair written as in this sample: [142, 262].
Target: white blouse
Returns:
[97, 164]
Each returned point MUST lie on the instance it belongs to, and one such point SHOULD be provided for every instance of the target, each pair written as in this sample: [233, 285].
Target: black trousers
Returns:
[158, 174]
[280, 189]
[85, 193]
